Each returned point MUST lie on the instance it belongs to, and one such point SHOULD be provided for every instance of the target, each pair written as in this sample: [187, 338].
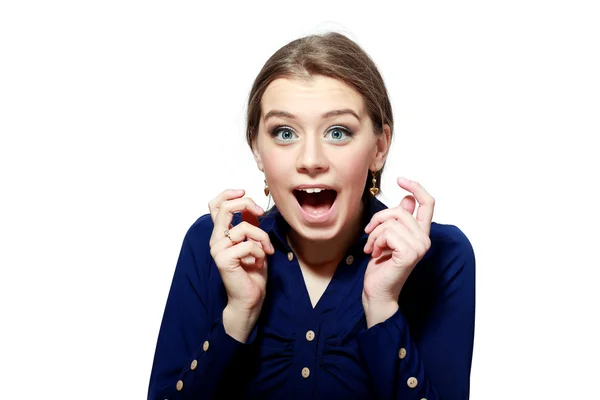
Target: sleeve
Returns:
[438, 365]
[193, 352]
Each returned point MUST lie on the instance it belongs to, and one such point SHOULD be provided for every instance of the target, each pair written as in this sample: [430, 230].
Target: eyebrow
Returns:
[328, 114]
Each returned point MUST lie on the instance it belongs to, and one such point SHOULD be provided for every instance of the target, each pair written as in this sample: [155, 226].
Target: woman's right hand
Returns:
[242, 263]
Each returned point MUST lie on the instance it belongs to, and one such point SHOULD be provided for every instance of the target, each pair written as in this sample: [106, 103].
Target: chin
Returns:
[316, 234]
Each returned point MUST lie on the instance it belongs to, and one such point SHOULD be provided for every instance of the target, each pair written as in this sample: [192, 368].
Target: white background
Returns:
[120, 120]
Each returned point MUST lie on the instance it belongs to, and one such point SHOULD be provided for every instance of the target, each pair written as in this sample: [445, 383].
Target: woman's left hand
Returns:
[397, 242]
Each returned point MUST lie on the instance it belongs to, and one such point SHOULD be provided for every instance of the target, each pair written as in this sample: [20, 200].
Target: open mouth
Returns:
[315, 202]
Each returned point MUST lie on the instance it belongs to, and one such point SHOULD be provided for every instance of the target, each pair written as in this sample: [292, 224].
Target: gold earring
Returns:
[374, 190]
[266, 188]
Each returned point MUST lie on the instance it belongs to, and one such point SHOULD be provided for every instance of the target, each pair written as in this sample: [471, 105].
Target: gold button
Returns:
[305, 372]
[194, 365]
[179, 385]
[349, 260]
[412, 382]
[402, 353]
[310, 335]
[205, 345]
[290, 256]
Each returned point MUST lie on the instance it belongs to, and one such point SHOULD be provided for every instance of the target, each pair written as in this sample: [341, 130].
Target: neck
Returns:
[321, 253]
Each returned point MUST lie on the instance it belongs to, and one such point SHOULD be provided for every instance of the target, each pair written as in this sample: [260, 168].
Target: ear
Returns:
[256, 154]
[382, 147]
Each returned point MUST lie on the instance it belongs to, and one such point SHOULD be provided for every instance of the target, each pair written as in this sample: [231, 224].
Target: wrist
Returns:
[238, 323]
[379, 310]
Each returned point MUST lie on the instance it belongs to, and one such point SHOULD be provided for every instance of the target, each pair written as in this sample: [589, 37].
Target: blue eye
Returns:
[282, 134]
[340, 134]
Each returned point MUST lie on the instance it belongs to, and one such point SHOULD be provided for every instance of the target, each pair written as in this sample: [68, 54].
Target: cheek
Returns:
[276, 167]
[353, 171]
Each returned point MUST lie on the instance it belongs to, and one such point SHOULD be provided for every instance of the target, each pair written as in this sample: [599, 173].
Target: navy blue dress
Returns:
[423, 351]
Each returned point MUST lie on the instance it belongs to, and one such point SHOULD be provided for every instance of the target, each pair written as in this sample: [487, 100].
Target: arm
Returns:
[193, 352]
[437, 364]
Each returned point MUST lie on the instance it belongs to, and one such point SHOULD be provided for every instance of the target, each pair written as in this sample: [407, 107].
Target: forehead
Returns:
[310, 97]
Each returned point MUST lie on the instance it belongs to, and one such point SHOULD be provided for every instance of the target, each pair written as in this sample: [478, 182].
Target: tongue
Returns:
[316, 203]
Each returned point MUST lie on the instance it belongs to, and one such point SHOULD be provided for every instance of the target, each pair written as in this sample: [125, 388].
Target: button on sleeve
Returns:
[402, 353]
[412, 382]
[191, 323]
[435, 364]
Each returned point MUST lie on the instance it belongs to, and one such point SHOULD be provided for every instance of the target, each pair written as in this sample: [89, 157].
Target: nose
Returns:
[312, 158]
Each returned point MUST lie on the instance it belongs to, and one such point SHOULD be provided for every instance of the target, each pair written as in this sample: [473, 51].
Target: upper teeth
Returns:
[312, 190]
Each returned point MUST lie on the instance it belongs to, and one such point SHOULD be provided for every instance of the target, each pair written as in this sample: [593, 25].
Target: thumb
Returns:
[409, 203]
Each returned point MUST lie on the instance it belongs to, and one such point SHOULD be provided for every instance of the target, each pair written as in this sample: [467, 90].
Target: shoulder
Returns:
[450, 239]
[451, 251]
[194, 257]
[200, 231]
[195, 260]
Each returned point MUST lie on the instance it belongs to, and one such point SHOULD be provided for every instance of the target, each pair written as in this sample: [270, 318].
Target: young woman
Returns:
[333, 295]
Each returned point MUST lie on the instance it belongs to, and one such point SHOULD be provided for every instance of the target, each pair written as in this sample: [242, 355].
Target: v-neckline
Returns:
[307, 293]
[304, 302]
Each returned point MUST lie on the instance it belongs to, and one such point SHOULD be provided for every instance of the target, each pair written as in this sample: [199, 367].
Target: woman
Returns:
[333, 295]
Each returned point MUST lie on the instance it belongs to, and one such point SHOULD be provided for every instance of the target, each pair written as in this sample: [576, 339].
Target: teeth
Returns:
[313, 190]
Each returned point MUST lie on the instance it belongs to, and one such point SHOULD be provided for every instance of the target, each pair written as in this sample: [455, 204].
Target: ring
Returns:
[228, 235]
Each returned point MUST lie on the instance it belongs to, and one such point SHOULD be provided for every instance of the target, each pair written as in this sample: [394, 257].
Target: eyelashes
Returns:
[277, 131]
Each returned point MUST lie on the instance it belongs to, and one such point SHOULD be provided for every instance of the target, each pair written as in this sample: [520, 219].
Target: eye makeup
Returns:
[276, 130]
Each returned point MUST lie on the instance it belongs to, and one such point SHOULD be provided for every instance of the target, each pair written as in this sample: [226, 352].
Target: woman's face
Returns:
[316, 136]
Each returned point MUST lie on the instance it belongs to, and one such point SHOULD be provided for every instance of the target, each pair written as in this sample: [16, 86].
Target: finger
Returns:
[397, 213]
[393, 241]
[426, 202]
[244, 230]
[256, 265]
[229, 194]
[374, 235]
[397, 228]
[238, 234]
[249, 263]
[232, 257]
[255, 259]
[228, 208]
[409, 204]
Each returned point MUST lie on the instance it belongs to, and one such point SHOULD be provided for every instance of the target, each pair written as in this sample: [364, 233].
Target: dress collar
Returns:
[273, 223]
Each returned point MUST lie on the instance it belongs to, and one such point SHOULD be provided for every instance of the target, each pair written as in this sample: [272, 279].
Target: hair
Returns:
[332, 55]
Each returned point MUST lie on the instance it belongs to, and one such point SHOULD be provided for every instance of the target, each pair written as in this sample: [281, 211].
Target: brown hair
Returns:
[333, 55]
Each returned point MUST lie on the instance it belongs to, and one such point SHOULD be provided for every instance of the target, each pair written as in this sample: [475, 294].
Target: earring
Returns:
[374, 190]
[266, 189]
